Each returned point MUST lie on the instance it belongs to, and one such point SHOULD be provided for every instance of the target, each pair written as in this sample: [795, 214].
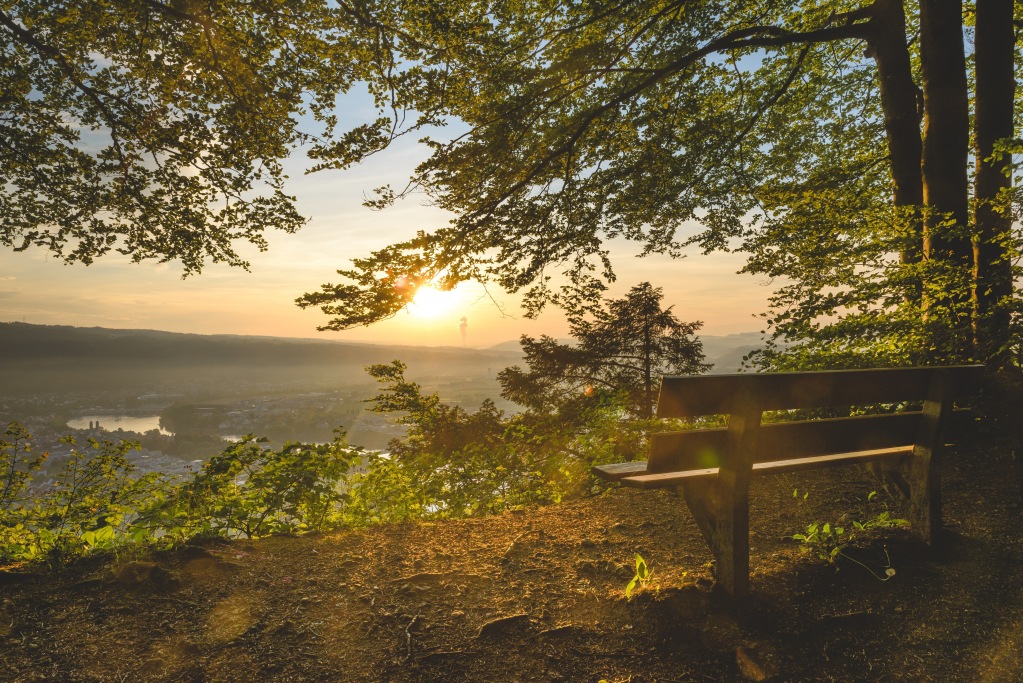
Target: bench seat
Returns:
[637, 476]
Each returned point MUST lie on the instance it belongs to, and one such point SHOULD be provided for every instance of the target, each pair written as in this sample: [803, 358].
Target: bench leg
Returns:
[733, 545]
[925, 500]
[924, 471]
[723, 519]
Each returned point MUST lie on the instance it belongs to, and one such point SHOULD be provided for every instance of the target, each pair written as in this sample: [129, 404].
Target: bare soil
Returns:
[539, 595]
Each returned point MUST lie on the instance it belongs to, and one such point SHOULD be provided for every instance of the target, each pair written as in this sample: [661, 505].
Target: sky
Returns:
[113, 292]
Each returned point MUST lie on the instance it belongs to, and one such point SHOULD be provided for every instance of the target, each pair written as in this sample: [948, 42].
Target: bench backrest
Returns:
[744, 395]
[697, 395]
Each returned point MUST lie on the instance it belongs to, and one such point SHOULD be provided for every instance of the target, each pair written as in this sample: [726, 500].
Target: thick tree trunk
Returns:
[946, 245]
[900, 103]
[995, 85]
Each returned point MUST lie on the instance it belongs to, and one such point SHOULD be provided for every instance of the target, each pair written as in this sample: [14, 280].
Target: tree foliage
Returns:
[90, 502]
[158, 129]
[624, 347]
[94, 500]
[455, 462]
[827, 140]
[458, 462]
[254, 491]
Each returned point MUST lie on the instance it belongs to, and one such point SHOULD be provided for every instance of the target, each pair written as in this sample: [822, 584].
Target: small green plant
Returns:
[823, 540]
[829, 542]
[641, 578]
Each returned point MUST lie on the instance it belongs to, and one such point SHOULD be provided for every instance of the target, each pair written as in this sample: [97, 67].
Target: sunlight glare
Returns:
[430, 302]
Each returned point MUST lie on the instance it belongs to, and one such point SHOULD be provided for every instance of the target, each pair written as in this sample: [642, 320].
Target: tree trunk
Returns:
[900, 103]
[946, 245]
[993, 108]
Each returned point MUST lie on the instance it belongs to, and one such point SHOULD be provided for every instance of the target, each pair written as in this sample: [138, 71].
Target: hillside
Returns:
[538, 595]
[38, 358]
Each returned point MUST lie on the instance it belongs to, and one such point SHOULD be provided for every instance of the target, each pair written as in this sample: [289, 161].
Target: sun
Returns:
[430, 302]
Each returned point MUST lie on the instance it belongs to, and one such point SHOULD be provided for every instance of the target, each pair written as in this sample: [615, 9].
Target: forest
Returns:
[859, 156]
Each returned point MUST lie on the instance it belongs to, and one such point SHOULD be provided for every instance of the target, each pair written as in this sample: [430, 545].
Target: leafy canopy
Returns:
[652, 121]
[158, 129]
[765, 127]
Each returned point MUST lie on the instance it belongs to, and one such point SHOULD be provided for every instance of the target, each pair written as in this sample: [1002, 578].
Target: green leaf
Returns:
[641, 569]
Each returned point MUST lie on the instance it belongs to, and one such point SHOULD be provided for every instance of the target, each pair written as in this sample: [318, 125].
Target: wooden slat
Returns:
[674, 451]
[894, 454]
[671, 479]
[667, 479]
[702, 448]
[616, 471]
[692, 396]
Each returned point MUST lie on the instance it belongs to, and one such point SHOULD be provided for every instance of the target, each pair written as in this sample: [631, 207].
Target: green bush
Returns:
[250, 490]
[92, 503]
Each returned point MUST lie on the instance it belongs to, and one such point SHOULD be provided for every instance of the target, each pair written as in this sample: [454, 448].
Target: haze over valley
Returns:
[183, 396]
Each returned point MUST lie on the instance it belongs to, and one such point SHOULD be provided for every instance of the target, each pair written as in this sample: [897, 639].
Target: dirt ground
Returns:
[539, 595]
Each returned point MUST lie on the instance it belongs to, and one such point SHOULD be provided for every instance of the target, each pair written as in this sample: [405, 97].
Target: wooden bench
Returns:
[713, 467]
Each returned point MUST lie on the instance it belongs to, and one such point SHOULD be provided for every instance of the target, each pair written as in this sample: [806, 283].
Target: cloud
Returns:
[7, 278]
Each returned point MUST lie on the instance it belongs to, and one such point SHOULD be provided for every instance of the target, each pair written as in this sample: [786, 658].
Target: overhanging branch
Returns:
[745, 38]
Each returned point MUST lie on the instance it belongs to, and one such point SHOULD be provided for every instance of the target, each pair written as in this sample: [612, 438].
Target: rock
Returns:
[502, 625]
[230, 619]
[88, 584]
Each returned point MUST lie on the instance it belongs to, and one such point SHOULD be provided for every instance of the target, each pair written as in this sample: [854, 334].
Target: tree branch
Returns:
[47, 51]
[751, 37]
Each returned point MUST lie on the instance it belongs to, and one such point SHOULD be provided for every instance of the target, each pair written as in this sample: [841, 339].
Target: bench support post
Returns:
[924, 470]
[721, 506]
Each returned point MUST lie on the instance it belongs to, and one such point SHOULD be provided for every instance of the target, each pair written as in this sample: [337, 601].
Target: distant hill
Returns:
[54, 357]
[21, 341]
[727, 351]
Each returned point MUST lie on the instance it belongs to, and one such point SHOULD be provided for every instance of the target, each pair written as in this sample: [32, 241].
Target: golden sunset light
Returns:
[498, 341]
[431, 303]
